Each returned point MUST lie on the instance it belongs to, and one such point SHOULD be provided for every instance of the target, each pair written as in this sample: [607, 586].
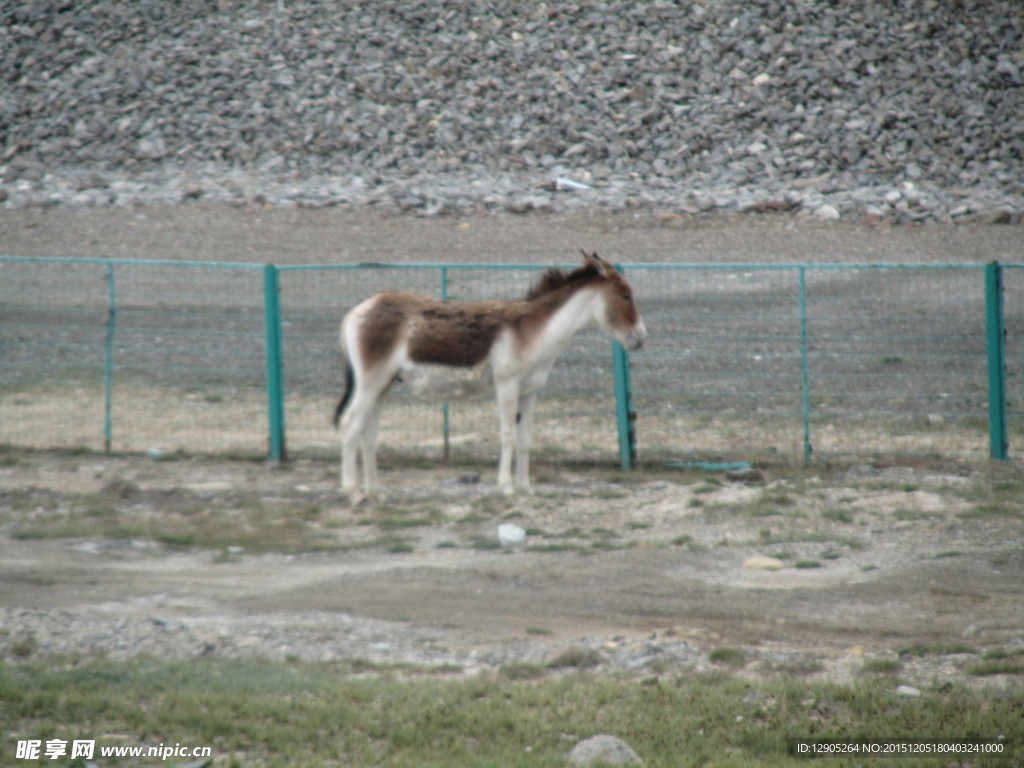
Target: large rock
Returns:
[603, 750]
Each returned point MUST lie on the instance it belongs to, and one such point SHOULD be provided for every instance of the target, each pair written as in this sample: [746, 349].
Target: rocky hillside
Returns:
[887, 109]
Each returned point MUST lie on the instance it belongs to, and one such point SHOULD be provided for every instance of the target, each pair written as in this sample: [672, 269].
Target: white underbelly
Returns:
[445, 382]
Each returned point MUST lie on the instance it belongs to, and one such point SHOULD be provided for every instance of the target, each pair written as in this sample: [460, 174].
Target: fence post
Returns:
[625, 416]
[108, 360]
[275, 376]
[995, 328]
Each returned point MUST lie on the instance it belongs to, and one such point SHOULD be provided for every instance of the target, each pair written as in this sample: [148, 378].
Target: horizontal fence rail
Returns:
[743, 362]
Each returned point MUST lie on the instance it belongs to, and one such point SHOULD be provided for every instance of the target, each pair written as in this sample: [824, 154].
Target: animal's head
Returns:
[619, 316]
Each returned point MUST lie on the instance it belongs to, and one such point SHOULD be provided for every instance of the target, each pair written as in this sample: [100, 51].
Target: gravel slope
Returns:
[906, 111]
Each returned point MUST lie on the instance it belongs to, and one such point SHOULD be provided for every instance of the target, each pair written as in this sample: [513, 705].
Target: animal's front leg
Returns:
[370, 433]
[508, 399]
[524, 437]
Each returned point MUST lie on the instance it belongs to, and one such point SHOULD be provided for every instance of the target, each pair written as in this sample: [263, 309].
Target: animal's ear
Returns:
[593, 260]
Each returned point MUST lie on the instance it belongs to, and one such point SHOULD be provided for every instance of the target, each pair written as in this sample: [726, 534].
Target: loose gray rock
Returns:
[464, 478]
[603, 750]
[770, 107]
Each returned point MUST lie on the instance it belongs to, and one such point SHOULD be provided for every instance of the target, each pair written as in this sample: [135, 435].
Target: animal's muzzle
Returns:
[635, 338]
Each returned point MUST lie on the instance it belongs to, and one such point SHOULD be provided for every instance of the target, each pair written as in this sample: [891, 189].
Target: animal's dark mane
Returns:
[555, 279]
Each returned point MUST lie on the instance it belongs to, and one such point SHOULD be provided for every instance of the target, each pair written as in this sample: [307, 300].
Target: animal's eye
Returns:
[627, 298]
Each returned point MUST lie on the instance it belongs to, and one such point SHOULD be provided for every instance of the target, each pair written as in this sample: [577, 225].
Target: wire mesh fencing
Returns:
[743, 362]
[132, 356]
[756, 361]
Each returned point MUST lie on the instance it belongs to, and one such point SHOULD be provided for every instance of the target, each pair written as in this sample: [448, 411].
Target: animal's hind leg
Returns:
[359, 426]
[370, 432]
[353, 428]
[508, 399]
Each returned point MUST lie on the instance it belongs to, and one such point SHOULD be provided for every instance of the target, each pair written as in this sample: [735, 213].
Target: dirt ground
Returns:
[338, 235]
[863, 563]
[866, 560]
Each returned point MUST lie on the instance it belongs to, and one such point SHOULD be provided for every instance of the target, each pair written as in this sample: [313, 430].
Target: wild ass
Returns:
[444, 348]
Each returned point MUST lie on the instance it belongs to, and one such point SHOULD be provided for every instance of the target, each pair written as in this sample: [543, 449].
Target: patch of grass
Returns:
[807, 564]
[936, 650]
[577, 656]
[570, 533]
[522, 671]
[709, 486]
[911, 515]
[606, 545]
[998, 499]
[730, 657]
[882, 667]
[999, 653]
[1011, 666]
[838, 515]
[474, 517]
[22, 649]
[794, 667]
[767, 536]
[398, 523]
[610, 494]
[250, 523]
[401, 716]
[993, 509]
[557, 547]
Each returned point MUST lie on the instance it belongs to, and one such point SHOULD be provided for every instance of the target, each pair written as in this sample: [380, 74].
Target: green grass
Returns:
[250, 523]
[262, 713]
[882, 667]
[730, 657]
[838, 515]
[807, 564]
[999, 662]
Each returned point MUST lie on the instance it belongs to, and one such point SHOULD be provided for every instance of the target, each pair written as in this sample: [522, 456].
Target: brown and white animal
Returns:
[446, 348]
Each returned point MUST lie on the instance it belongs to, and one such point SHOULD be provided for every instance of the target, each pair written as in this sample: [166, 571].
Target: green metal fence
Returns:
[828, 360]
[744, 361]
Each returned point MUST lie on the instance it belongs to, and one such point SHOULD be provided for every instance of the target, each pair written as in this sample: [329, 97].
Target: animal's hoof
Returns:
[353, 496]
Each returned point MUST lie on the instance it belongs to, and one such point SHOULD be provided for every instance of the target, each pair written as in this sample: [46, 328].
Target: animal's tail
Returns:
[350, 380]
